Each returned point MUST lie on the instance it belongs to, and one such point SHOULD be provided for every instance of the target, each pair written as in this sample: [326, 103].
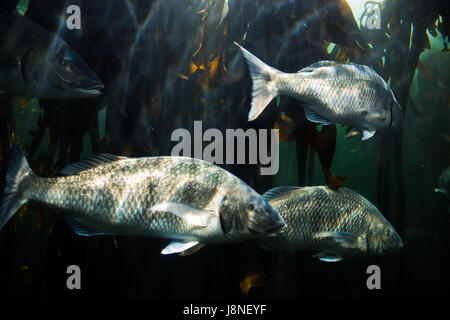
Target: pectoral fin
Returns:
[346, 240]
[367, 134]
[181, 247]
[190, 215]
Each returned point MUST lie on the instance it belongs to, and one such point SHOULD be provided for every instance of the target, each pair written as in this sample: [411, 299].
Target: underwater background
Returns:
[168, 63]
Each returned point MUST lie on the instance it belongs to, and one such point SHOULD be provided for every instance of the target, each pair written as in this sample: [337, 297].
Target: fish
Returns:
[336, 223]
[444, 182]
[39, 64]
[189, 201]
[331, 92]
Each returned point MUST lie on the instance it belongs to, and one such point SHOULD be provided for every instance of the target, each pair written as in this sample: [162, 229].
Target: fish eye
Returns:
[387, 233]
[252, 206]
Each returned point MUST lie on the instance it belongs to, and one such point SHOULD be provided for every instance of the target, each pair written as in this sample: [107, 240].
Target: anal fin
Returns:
[326, 257]
[83, 230]
[181, 247]
[316, 118]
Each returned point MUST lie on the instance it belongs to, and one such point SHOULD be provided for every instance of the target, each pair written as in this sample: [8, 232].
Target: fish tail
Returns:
[18, 170]
[264, 80]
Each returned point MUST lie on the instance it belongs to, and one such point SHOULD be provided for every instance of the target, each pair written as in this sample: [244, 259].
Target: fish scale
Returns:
[177, 198]
[321, 218]
[331, 92]
[124, 193]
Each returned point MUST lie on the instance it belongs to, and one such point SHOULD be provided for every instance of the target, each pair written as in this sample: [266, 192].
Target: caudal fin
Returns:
[264, 83]
[18, 170]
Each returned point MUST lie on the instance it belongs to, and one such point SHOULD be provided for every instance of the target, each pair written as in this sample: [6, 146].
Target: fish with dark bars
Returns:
[330, 92]
[338, 223]
[189, 201]
[36, 63]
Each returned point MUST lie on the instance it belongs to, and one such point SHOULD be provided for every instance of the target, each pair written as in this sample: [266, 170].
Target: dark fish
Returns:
[444, 182]
[36, 63]
[188, 200]
[337, 223]
[331, 92]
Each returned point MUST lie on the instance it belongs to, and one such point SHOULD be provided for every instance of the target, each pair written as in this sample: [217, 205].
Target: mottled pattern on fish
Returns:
[115, 197]
[340, 92]
[312, 214]
[191, 201]
[331, 92]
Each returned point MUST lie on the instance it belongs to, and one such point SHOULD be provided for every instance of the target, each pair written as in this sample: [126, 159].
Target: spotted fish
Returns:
[337, 223]
[190, 201]
[330, 92]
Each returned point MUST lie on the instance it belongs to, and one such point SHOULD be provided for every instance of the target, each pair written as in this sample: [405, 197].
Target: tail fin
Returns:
[264, 83]
[18, 170]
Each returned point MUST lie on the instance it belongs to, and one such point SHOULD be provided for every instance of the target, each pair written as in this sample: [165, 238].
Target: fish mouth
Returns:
[276, 231]
[398, 245]
[273, 231]
[92, 91]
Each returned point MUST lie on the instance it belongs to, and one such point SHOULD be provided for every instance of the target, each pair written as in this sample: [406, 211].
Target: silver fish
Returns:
[337, 223]
[331, 92]
[36, 63]
[188, 200]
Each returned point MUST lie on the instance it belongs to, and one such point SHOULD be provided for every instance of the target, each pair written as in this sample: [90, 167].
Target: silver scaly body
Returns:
[116, 197]
[331, 92]
[337, 223]
[187, 200]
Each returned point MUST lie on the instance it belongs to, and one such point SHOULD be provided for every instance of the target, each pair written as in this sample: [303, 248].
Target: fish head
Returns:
[246, 215]
[58, 72]
[381, 237]
[388, 116]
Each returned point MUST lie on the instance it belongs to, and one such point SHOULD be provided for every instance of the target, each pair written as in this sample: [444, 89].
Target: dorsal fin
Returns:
[278, 192]
[89, 163]
[318, 64]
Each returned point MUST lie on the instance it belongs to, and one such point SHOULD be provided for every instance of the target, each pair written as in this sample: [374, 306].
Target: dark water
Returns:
[166, 64]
